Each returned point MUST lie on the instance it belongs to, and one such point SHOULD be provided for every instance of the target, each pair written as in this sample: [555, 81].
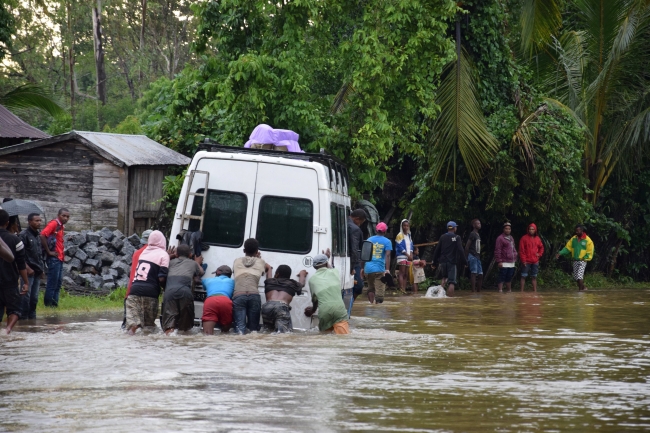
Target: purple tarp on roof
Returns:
[264, 134]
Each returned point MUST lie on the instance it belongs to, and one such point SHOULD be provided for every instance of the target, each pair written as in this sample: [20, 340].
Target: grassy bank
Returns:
[69, 304]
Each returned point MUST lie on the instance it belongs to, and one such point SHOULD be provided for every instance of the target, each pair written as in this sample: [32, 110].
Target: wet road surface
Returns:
[490, 362]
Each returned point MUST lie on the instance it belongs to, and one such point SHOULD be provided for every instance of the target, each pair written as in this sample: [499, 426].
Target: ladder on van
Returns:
[187, 216]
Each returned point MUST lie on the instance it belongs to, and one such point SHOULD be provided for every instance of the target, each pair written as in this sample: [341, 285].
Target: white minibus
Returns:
[295, 204]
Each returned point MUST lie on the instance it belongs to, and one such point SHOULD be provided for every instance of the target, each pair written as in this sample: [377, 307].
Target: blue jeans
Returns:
[357, 288]
[246, 308]
[475, 266]
[54, 280]
[531, 269]
[30, 299]
[505, 275]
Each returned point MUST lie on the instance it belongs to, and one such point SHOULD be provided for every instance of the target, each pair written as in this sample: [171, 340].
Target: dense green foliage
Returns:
[46, 33]
[546, 120]
[286, 65]
[7, 28]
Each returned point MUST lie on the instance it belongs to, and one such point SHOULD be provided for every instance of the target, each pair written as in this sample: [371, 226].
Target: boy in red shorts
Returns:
[217, 308]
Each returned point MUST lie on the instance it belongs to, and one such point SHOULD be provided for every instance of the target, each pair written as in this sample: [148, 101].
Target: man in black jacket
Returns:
[449, 254]
[355, 242]
[10, 294]
[35, 264]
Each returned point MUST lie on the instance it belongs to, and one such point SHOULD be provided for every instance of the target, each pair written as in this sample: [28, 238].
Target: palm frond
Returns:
[571, 63]
[460, 128]
[31, 96]
[540, 19]
[342, 98]
[522, 138]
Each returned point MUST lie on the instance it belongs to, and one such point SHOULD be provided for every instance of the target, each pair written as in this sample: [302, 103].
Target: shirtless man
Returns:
[280, 290]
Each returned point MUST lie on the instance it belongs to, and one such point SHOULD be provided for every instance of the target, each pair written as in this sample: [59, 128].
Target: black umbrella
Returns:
[21, 207]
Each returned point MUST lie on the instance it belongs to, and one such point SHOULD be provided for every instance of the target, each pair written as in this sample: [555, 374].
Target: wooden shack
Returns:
[105, 180]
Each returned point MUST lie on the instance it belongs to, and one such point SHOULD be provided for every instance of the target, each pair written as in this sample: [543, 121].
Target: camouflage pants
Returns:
[276, 316]
[141, 311]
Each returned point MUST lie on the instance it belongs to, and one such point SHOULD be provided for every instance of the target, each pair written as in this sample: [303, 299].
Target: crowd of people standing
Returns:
[232, 297]
[451, 258]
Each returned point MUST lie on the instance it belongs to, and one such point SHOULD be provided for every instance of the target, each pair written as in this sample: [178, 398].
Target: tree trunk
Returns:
[71, 61]
[144, 15]
[142, 28]
[99, 54]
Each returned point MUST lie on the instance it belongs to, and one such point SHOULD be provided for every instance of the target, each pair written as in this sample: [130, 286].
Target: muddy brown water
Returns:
[477, 363]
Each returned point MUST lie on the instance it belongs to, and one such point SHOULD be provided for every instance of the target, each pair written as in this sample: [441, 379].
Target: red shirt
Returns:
[51, 229]
[134, 265]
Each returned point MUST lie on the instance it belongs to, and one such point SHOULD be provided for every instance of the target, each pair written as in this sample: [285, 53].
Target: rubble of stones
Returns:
[99, 259]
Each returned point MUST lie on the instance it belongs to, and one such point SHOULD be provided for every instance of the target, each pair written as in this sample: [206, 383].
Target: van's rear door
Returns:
[285, 217]
[229, 207]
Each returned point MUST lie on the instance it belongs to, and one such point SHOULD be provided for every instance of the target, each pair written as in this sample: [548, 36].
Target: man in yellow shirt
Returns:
[581, 249]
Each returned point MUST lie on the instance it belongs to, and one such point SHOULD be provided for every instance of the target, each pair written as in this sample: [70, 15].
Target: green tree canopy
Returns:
[359, 79]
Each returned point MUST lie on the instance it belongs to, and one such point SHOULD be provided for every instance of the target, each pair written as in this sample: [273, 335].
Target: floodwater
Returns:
[477, 363]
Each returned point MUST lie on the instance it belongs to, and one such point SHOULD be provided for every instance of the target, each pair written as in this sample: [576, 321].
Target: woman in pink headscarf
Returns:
[150, 275]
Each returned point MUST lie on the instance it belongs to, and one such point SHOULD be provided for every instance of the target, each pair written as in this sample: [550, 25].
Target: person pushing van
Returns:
[178, 300]
[246, 301]
[279, 291]
[325, 288]
[217, 308]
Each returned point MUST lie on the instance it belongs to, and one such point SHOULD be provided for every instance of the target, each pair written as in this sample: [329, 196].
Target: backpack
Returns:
[193, 239]
[51, 239]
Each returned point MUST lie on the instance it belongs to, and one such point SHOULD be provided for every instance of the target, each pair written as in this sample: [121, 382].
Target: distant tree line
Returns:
[520, 110]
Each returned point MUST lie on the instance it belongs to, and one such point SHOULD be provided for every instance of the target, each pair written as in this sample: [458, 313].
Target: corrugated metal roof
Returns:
[11, 126]
[121, 149]
[135, 149]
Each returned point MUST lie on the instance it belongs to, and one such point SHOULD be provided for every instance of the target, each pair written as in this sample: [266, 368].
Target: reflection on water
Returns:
[488, 362]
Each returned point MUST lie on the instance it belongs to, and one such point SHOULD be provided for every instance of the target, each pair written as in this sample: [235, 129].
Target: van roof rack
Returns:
[334, 163]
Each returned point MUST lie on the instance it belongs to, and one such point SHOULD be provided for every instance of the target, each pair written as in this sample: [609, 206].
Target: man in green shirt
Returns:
[325, 287]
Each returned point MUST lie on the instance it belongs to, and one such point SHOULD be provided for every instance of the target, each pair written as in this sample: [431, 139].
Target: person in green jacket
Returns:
[325, 287]
[581, 249]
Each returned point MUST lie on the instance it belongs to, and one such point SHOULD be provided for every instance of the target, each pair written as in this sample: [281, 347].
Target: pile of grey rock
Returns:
[99, 259]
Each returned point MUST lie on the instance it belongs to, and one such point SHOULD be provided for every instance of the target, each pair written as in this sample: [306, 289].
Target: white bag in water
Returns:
[436, 292]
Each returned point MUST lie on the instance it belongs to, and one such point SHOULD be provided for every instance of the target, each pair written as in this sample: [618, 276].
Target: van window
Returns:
[285, 224]
[343, 238]
[225, 217]
[339, 226]
[334, 215]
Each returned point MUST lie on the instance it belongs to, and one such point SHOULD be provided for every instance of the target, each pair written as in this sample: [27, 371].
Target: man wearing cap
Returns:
[581, 249]
[448, 253]
[325, 287]
[379, 265]
[217, 308]
[505, 255]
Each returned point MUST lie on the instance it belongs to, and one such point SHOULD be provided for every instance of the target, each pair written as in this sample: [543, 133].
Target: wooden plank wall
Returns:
[145, 191]
[54, 176]
[105, 196]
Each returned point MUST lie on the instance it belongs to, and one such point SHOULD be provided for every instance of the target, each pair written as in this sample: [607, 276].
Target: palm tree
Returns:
[595, 66]
[460, 129]
[31, 96]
